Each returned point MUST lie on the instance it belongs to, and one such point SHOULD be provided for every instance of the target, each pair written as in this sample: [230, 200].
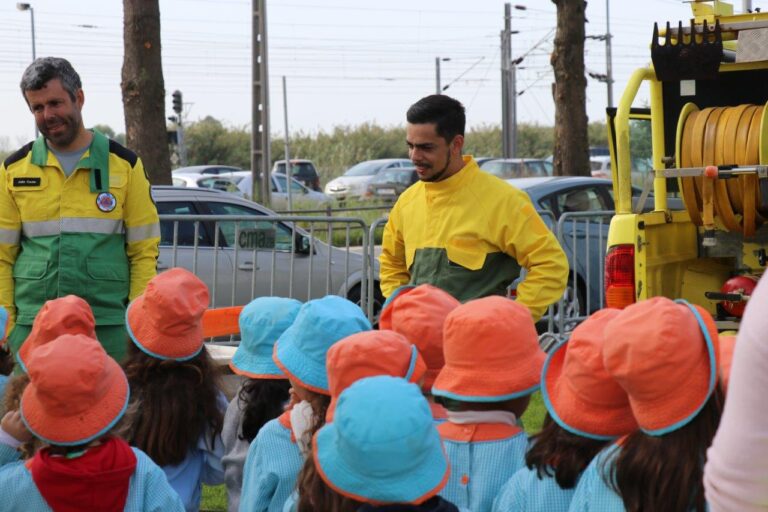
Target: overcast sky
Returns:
[346, 61]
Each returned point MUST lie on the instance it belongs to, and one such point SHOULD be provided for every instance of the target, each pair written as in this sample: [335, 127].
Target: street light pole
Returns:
[28, 7]
[438, 85]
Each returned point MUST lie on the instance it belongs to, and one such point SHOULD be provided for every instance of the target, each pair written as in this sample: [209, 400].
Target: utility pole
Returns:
[746, 6]
[608, 58]
[260, 157]
[508, 86]
[437, 75]
[288, 168]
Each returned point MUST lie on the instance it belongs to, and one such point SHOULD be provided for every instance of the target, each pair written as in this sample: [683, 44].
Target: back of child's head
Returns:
[664, 354]
[418, 313]
[382, 446]
[368, 354]
[492, 355]
[587, 409]
[264, 393]
[174, 385]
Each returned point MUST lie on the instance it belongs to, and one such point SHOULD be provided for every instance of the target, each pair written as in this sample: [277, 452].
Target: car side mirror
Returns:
[302, 244]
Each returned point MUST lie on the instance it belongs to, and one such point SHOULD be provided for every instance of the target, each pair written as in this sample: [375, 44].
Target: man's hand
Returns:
[13, 426]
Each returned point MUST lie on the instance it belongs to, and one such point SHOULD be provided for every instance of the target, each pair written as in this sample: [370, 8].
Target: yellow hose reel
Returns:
[723, 136]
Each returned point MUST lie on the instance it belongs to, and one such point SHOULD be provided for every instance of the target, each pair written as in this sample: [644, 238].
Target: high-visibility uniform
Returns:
[94, 234]
[470, 234]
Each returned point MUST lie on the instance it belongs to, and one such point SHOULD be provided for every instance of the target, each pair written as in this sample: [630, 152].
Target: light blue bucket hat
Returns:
[382, 446]
[262, 321]
[300, 351]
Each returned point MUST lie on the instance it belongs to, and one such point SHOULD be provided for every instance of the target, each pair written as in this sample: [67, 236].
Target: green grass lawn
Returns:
[215, 498]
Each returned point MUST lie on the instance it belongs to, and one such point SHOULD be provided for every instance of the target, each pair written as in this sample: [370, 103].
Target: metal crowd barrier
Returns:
[241, 257]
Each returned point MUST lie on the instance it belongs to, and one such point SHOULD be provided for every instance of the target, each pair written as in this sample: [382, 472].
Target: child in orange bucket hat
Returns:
[361, 355]
[76, 395]
[418, 313]
[492, 365]
[586, 411]
[664, 354]
[179, 430]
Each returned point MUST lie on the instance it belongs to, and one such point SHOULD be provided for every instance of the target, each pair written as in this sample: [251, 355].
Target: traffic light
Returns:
[177, 101]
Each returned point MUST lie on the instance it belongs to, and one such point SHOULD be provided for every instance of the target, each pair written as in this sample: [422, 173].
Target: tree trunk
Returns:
[571, 153]
[144, 89]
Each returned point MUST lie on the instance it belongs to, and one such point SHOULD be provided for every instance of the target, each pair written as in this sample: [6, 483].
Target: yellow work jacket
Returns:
[94, 234]
[470, 234]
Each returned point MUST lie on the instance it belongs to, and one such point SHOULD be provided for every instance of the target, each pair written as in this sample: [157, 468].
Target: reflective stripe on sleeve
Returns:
[9, 236]
[138, 233]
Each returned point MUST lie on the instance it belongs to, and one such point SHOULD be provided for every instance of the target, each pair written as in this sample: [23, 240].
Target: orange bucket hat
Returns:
[368, 354]
[727, 346]
[491, 352]
[65, 315]
[578, 392]
[166, 320]
[418, 313]
[663, 353]
[76, 392]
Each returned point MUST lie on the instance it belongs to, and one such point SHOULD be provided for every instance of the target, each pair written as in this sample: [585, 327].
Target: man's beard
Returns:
[64, 137]
[439, 175]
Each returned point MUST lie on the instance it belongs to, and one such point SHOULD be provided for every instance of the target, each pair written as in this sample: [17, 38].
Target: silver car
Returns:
[254, 257]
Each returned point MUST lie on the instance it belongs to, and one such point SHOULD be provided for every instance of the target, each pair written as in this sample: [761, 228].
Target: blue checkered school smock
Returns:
[526, 492]
[483, 457]
[271, 468]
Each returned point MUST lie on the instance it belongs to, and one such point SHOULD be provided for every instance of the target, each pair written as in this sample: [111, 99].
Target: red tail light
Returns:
[620, 276]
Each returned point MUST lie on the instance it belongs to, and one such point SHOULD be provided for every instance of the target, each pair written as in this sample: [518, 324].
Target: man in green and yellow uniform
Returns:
[76, 214]
[461, 229]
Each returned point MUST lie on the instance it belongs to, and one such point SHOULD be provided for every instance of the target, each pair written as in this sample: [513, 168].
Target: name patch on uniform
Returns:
[26, 182]
[106, 202]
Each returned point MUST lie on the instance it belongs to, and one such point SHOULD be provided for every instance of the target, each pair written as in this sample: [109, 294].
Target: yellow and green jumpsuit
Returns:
[470, 235]
[94, 234]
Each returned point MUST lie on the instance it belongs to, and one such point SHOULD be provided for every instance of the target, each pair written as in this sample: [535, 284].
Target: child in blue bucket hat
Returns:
[276, 455]
[381, 452]
[263, 393]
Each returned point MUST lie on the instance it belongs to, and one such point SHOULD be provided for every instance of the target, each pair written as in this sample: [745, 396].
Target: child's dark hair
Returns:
[262, 400]
[555, 452]
[315, 494]
[666, 472]
[172, 403]
[6, 361]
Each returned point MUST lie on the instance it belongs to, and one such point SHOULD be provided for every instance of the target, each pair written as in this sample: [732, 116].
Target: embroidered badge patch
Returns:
[106, 202]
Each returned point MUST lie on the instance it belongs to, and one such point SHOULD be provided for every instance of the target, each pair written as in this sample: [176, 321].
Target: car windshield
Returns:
[363, 169]
[296, 187]
[398, 176]
[297, 168]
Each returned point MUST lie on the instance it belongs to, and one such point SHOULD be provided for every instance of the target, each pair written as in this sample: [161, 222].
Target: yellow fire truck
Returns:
[708, 88]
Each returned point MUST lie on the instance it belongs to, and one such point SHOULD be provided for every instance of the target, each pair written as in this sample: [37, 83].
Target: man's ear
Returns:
[457, 144]
[80, 98]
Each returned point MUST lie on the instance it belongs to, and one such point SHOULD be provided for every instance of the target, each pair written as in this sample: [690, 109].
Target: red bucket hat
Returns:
[663, 353]
[76, 392]
[578, 392]
[65, 315]
[491, 352]
[166, 320]
[418, 313]
[368, 354]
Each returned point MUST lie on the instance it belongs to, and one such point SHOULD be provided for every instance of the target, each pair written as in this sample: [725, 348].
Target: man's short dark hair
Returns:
[45, 69]
[443, 111]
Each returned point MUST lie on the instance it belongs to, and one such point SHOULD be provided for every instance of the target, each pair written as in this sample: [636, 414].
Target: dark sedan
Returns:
[389, 184]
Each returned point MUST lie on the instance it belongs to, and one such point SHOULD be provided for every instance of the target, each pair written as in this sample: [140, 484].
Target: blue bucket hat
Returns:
[262, 321]
[300, 351]
[382, 446]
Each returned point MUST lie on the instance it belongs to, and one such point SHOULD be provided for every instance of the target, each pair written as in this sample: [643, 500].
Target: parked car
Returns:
[206, 169]
[388, 185]
[482, 159]
[260, 260]
[217, 182]
[300, 195]
[354, 182]
[301, 170]
[600, 166]
[509, 168]
[640, 168]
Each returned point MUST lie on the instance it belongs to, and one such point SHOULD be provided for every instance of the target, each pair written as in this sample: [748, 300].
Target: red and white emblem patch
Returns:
[106, 202]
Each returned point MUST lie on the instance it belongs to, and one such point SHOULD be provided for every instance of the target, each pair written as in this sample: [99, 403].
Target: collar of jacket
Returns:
[455, 182]
[96, 158]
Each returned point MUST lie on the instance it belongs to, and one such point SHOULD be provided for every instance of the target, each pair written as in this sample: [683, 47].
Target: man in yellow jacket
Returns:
[76, 214]
[461, 229]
